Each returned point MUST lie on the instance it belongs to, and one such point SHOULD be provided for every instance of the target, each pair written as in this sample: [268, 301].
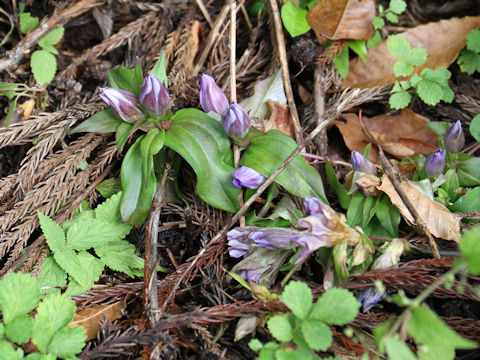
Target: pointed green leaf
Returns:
[342, 62]
[52, 37]
[159, 70]
[470, 248]
[120, 256]
[51, 275]
[28, 22]
[54, 234]
[19, 294]
[102, 122]
[84, 235]
[397, 350]
[126, 79]
[68, 342]
[44, 66]
[468, 202]
[109, 210]
[388, 215]
[294, 19]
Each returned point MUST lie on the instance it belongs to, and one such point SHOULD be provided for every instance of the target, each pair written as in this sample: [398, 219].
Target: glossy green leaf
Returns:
[341, 63]
[136, 196]
[468, 202]
[44, 66]
[151, 144]
[359, 47]
[342, 193]
[202, 142]
[294, 19]
[124, 130]
[267, 152]
[102, 122]
[159, 70]
[355, 209]
[388, 215]
[469, 172]
[475, 127]
[126, 79]
[470, 248]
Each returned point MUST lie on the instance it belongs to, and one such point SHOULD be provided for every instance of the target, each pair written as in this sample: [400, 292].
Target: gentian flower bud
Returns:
[124, 103]
[273, 239]
[369, 297]
[154, 95]
[454, 137]
[247, 177]
[212, 97]
[236, 121]
[245, 326]
[360, 163]
[435, 163]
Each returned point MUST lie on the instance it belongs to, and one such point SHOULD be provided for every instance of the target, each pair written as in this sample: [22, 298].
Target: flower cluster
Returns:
[154, 99]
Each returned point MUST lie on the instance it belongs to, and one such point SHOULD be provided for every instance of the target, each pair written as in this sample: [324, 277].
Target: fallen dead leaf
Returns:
[27, 108]
[443, 40]
[342, 19]
[91, 317]
[399, 135]
[439, 220]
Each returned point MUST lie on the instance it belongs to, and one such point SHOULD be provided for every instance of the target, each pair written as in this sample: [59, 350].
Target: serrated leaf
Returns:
[120, 256]
[102, 122]
[20, 329]
[19, 294]
[391, 17]
[44, 66]
[417, 56]
[280, 327]
[294, 19]
[51, 274]
[398, 350]
[297, 296]
[402, 68]
[470, 248]
[91, 268]
[255, 344]
[270, 88]
[85, 215]
[54, 313]
[469, 61]
[28, 22]
[8, 352]
[317, 334]
[475, 127]
[378, 22]
[68, 260]
[84, 235]
[109, 187]
[52, 38]
[399, 46]
[430, 92]
[67, 342]
[109, 210]
[336, 306]
[53, 233]
[267, 152]
[202, 142]
[431, 332]
[473, 41]
[397, 6]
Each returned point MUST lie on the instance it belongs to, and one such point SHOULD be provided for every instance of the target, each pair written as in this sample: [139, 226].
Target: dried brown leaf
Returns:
[279, 119]
[400, 135]
[443, 40]
[342, 19]
[438, 219]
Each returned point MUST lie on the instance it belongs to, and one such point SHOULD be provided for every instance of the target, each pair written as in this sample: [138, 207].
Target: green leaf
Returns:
[84, 235]
[126, 79]
[8, 93]
[255, 344]
[431, 332]
[44, 66]
[151, 144]
[399, 47]
[469, 61]
[19, 294]
[341, 62]
[267, 152]
[280, 327]
[378, 22]
[388, 215]
[399, 100]
[317, 334]
[54, 313]
[109, 187]
[8, 352]
[470, 248]
[136, 196]
[473, 41]
[68, 342]
[438, 127]
[102, 122]
[430, 92]
[468, 202]
[398, 350]
[68, 260]
[294, 19]
[397, 6]
[270, 88]
[374, 40]
[297, 296]
[109, 210]
[451, 184]
[368, 210]
[28, 22]
[417, 56]
[340, 191]
[268, 351]
[391, 17]
[402, 68]
[20, 329]
[359, 47]
[159, 70]
[51, 274]
[124, 130]
[12, 111]
[202, 142]
[54, 234]
[469, 172]
[336, 306]
[475, 127]
[120, 256]
[52, 38]
[355, 209]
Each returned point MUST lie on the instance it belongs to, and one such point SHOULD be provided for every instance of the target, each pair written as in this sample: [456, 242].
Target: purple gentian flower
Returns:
[360, 163]
[212, 97]
[273, 239]
[236, 121]
[154, 95]
[454, 137]
[435, 163]
[369, 297]
[310, 244]
[238, 241]
[124, 103]
[247, 177]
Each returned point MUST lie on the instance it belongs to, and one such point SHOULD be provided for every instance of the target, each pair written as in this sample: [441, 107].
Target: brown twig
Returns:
[319, 97]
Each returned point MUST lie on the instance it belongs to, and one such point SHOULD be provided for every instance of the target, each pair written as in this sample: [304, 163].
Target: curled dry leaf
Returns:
[342, 19]
[90, 318]
[280, 119]
[27, 108]
[443, 40]
[439, 220]
[400, 135]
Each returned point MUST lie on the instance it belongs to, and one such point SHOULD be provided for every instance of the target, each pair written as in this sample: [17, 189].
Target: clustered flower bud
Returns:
[360, 163]
[454, 137]
[435, 163]
[154, 96]
[236, 121]
[247, 177]
[212, 97]
[124, 103]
